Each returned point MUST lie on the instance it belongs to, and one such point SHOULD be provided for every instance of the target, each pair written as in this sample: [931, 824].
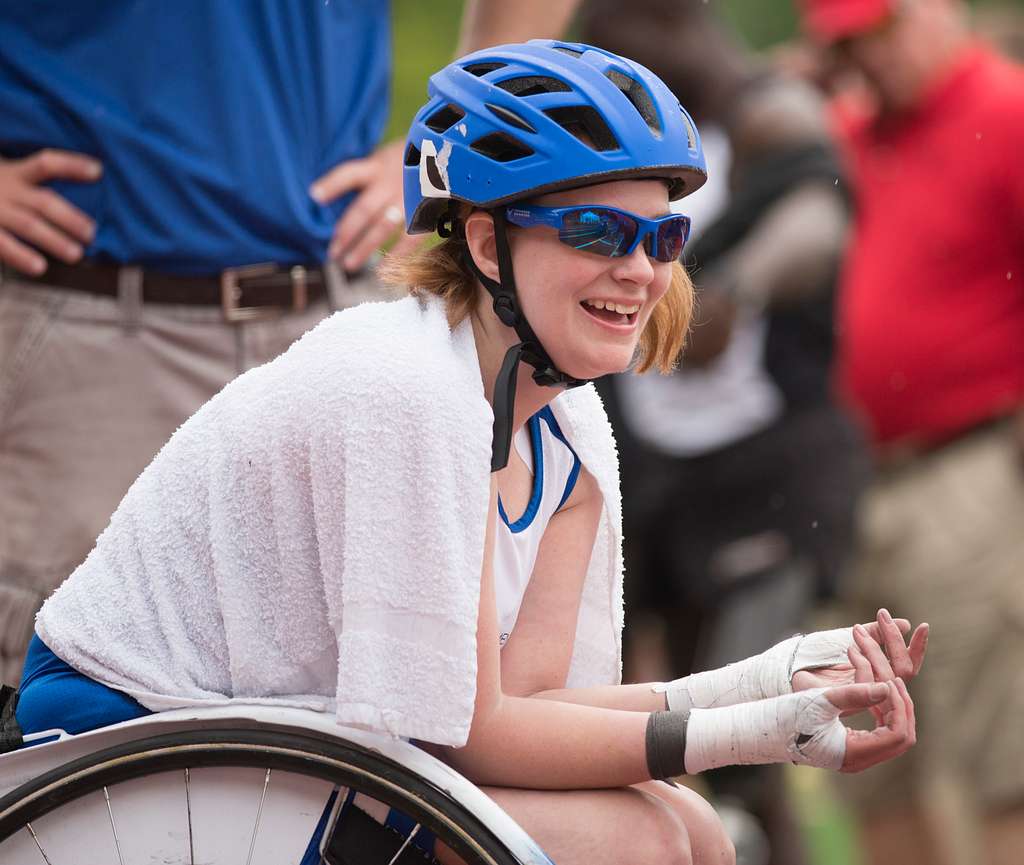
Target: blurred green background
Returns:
[425, 35]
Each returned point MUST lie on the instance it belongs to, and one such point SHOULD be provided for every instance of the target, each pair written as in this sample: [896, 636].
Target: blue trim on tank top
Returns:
[533, 506]
[536, 448]
[574, 472]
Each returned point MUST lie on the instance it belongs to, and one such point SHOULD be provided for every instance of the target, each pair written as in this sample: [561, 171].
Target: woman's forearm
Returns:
[631, 698]
[547, 744]
[541, 743]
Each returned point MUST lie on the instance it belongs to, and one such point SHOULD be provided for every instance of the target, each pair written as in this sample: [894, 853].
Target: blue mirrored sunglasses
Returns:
[607, 231]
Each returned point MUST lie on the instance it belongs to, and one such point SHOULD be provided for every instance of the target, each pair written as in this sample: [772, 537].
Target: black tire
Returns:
[335, 760]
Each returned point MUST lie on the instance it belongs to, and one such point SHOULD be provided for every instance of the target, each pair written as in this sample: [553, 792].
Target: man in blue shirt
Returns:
[183, 188]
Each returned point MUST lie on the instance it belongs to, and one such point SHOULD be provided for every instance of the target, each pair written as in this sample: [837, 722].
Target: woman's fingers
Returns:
[862, 672]
[895, 647]
[908, 705]
[873, 652]
[873, 629]
[861, 668]
[857, 697]
[897, 732]
[892, 737]
[918, 646]
[882, 643]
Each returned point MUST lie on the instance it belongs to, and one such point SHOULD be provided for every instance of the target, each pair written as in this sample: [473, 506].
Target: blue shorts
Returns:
[54, 695]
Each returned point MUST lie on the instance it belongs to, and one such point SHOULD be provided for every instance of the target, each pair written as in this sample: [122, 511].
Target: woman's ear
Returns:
[479, 227]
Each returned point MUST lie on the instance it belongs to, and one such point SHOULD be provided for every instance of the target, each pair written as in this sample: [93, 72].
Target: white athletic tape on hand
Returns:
[822, 649]
[800, 728]
[756, 678]
[763, 676]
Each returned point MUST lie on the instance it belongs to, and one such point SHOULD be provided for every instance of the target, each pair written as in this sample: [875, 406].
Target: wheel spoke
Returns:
[406, 843]
[259, 812]
[188, 811]
[113, 828]
[35, 838]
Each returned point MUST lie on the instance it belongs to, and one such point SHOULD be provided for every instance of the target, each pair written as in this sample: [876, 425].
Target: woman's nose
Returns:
[635, 267]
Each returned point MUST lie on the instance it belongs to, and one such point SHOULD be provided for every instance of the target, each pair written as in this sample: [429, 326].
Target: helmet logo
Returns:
[434, 170]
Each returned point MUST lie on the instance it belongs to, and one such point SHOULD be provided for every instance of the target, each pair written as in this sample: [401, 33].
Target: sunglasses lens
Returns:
[594, 229]
[672, 237]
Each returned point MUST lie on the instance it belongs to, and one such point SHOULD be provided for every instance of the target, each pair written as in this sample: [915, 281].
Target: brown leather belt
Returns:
[243, 293]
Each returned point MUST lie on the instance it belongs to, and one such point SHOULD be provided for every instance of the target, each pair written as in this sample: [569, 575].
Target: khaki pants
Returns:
[942, 541]
[90, 389]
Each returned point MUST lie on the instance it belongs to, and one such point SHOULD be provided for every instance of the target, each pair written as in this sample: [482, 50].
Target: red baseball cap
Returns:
[832, 20]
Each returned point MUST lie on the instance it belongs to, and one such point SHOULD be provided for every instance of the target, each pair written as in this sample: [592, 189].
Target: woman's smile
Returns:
[619, 316]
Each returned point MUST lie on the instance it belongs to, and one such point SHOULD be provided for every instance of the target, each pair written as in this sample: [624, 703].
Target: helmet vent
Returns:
[479, 69]
[412, 155]
[501, 147]
[510, 117]
[637, 94]
[565, 49]
[532, 85]
[586, 124]
[445, 118]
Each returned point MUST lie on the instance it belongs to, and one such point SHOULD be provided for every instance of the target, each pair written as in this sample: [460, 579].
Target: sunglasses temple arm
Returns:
[522, 218]
[533, 216]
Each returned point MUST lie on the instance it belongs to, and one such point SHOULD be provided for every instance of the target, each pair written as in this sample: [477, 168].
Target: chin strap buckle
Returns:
[506, 308]
[544, 371]
[547, 377]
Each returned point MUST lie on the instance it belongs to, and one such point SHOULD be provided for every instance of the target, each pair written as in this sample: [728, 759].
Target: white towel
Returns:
[314, 535]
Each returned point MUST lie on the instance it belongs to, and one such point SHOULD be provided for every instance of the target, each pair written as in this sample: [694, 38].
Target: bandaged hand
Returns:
[821, 659]
[803, 728]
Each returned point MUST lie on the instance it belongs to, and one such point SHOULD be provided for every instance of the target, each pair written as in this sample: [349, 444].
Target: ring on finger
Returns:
[393, 214]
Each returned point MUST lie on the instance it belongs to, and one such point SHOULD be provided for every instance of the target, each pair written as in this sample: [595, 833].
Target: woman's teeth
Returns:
[613, 307]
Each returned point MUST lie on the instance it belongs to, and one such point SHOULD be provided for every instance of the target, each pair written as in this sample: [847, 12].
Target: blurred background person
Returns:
[931, 357]
[1002, 24]
[175, 183]
[739, 473]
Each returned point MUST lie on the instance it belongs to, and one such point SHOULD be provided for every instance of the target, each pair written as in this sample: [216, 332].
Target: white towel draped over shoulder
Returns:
[314, 536]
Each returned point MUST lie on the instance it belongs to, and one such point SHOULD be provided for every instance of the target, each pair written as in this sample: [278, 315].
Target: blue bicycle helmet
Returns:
[517, 121]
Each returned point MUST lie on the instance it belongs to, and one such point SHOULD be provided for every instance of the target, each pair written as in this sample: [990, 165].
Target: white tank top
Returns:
[555, 468]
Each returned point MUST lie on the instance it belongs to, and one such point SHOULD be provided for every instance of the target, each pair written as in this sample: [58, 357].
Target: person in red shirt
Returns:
[931, 358]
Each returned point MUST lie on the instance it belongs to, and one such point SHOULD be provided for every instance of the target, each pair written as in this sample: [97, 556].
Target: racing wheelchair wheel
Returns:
[248, 796]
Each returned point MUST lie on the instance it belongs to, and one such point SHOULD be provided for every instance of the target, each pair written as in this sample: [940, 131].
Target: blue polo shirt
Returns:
[211, 117]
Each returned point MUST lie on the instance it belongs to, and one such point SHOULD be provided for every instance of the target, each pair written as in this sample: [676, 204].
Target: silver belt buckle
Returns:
[232, 284]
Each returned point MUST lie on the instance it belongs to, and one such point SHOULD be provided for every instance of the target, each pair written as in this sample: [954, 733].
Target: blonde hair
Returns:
[441, 270]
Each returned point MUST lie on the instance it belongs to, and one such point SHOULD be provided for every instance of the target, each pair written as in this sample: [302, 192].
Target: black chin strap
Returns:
[528, 350]
[504, 405]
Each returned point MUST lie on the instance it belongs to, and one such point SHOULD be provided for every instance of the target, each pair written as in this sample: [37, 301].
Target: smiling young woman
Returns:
[391, 523]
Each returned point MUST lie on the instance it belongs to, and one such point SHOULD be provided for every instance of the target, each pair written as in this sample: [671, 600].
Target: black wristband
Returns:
[666, 744]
